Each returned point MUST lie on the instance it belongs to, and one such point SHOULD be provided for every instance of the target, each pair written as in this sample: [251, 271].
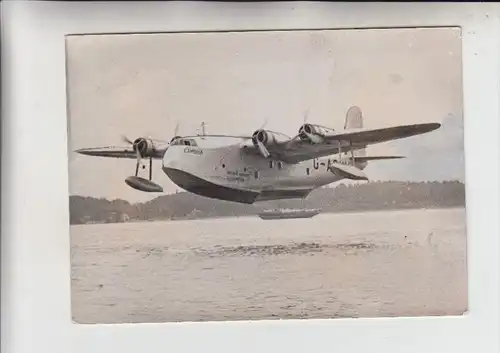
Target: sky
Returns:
[144, 84]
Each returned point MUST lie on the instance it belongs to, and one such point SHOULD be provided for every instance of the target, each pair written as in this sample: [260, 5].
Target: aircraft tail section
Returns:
[362, 161]
[354, 120]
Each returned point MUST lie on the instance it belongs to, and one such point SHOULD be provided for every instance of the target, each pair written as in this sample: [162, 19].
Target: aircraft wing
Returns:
[296, 150]
[372, 136]
[113, 152]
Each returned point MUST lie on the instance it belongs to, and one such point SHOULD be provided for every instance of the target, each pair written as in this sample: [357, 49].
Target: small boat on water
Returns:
[286, 213]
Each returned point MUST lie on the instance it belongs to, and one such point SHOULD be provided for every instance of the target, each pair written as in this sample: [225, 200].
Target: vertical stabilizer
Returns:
[354, 120]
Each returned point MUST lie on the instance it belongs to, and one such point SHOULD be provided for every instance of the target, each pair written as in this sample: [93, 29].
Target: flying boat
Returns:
[266, 165]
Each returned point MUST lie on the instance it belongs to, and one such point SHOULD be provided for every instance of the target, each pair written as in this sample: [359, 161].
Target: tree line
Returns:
[342, 198]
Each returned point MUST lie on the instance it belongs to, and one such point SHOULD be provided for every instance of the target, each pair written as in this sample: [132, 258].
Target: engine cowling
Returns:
[265, 137]
[308, 131]
[145, 147]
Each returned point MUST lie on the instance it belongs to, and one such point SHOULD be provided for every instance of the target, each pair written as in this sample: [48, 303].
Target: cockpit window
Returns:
[185, 142]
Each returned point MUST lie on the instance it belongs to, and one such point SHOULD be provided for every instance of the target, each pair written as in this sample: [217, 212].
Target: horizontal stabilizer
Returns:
[347, 171]
[375, 158]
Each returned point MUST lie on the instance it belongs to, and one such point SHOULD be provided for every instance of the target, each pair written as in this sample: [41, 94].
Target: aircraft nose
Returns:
[169, 157]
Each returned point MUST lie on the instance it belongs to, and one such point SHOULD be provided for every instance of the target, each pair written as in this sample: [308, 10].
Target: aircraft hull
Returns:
[227, 174]
[202, 187]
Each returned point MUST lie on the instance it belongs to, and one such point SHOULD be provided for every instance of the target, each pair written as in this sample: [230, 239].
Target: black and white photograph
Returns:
[266, 175]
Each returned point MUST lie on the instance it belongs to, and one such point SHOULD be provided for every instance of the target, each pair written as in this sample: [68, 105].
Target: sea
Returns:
[371, 264]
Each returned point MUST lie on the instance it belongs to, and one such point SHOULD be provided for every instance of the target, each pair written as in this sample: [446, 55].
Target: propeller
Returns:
[137, 150]
[138, 154]
[306, 115]
[127, 140]
[136, 144]
[263, 124]
[307, 130]
[263, 150]
[140, 144]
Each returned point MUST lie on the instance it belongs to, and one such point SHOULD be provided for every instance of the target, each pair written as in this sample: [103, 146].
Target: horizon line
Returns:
[323, 187]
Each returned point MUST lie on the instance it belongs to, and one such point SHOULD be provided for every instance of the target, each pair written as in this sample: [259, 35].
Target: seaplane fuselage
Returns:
[217, 167]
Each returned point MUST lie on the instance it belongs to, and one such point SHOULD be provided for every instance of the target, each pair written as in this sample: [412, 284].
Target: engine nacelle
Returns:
[145, 147]
[308, 130]
[265, 137]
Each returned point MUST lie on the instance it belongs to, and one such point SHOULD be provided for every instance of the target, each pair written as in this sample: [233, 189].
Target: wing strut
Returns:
[138, 153]
[352, 153]
[348, 170]
[150, 168]
[142, 184]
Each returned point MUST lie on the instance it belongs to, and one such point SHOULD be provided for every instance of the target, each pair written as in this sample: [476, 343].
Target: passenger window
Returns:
[187, 143]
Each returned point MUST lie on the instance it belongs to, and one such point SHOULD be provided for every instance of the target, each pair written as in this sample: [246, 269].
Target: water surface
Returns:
[397, 263]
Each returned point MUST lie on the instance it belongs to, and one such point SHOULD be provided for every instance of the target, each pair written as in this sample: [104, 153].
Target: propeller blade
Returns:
[138, 154]
[126, 139]
[138, 161]
[263, 125]
[176, 130]
[306, 115]
[263, 150]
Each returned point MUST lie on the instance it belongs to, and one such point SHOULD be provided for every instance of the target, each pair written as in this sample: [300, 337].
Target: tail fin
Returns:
[354, 120]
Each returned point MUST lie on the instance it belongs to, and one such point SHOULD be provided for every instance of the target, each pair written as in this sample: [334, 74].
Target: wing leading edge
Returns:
[114, 152]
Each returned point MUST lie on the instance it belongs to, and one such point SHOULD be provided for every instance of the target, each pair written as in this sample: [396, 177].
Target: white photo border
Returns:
[36, 312]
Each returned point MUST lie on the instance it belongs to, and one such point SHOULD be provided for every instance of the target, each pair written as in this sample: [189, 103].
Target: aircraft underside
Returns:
[202, 187]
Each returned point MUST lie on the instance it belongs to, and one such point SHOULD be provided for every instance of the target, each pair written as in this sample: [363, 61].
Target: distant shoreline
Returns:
[372, 196]
[255, 216]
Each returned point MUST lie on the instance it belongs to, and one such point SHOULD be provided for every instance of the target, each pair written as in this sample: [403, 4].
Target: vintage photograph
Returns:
[266, 175]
